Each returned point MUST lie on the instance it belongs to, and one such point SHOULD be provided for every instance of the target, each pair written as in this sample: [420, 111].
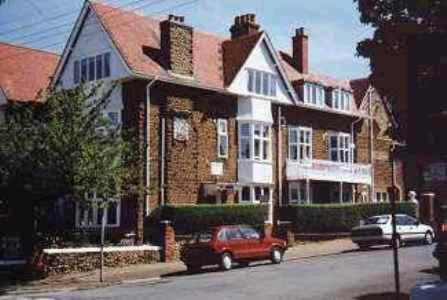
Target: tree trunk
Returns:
[139, 226]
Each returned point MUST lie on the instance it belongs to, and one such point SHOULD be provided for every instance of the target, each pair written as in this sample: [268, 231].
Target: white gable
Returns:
[262, 58]
[89, 39]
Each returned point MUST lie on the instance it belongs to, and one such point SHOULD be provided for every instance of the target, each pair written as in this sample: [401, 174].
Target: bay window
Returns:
[222, 138]
[300, 143]
[340, 147]
[255, 141]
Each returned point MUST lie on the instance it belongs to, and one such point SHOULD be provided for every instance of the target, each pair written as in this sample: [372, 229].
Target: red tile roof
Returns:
[24, 72]
[137, 38]
[324, 80]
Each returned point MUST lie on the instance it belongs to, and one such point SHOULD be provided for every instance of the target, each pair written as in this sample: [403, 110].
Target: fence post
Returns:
[168, 241]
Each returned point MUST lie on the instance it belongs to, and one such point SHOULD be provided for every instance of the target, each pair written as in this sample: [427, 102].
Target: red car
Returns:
[225, 245]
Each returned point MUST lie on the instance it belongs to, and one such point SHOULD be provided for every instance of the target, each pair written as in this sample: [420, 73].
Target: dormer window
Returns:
[261, 83]
[313, 94]
[341, 100]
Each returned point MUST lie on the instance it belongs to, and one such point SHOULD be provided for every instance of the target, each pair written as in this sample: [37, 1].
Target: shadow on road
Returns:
[383, 296]
[212, 269]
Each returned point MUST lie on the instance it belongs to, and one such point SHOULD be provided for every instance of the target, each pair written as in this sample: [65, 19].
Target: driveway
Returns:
[363, 275]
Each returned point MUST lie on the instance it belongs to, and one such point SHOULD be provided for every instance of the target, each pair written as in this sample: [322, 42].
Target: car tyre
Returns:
[428, 239]
[226, 261]
[276, 255]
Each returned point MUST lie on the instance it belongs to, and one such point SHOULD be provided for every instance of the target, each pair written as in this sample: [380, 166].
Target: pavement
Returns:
[149, 272]
[323, 270]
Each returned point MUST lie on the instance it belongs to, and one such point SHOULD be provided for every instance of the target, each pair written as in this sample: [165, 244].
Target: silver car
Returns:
[378, 230]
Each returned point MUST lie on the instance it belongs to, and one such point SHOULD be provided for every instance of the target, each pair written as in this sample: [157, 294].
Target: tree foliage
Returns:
[65, 146]
[393, 21]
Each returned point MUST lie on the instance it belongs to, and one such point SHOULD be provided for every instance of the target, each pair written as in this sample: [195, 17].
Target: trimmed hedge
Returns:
[327, 218]
[188, 219]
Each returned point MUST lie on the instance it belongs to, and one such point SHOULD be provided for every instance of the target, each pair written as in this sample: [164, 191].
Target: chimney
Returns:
[244, 25]
[176, 43]
[301, 50]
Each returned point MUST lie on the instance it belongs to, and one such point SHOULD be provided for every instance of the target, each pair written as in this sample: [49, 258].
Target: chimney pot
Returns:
[244, 25]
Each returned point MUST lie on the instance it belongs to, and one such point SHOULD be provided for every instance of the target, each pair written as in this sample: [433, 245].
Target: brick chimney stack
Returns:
[300, 44]
[244, 25]
[176, 43]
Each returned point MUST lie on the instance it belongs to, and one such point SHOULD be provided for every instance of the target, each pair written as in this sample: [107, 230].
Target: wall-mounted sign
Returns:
[216, 168]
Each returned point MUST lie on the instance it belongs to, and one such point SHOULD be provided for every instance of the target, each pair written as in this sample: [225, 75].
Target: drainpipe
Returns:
[147, 144]
[352, 149]
[162, 162]
[371, 138]
[279, 157]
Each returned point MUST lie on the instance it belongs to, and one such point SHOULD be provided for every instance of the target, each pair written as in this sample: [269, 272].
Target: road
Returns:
[352, 275]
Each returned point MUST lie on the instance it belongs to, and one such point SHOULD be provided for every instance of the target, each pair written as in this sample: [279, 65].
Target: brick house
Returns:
[229, 119]
[24, 73]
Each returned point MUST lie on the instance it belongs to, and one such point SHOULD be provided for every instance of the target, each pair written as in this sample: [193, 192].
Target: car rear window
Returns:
[202, 237]
[377, 220]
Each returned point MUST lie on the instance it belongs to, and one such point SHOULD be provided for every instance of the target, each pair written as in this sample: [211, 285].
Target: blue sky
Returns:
[333, 25]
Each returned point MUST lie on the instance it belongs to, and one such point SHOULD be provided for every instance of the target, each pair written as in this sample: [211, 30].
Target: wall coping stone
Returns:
[98, 249]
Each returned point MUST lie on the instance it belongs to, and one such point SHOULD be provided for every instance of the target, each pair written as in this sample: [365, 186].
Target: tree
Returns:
[64, 146]
[394, 21]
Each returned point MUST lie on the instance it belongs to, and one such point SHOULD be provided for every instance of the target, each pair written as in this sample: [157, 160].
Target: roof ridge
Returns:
[29, 48]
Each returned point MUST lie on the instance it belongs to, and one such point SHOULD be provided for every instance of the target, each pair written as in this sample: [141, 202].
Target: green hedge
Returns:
[326, 218]
[193, 218]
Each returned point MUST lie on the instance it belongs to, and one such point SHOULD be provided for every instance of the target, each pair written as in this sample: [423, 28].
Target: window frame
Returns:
[256, 136]
[261, 83]
[300, 187]
[314, 94]
[301, 145]
[94, 208]
[76, 72]
[346, 150]
[222, 134]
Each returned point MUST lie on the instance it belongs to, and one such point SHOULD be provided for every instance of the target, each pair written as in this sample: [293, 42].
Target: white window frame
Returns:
[264, 138]
[382, 197]
[105, 72]
[81, 221]
[341, 100]
[301, 144]
[299, 186]
[253, 199]
[309, 89]
[222, 133]
[267, 82]
[343, 147]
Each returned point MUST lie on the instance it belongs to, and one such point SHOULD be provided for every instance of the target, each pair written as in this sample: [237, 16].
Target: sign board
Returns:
[216, 168]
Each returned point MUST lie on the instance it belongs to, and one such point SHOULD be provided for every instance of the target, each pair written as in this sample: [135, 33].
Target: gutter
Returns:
[147, 143]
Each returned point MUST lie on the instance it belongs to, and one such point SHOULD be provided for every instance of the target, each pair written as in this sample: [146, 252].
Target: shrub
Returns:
[322, 218]
[188, 219]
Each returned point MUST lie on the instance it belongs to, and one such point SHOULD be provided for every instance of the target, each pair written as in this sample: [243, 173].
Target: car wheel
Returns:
[276, 255]
[428, 240]
[226, 261]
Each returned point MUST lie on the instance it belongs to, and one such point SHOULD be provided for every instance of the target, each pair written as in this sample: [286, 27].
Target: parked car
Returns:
[378, 230]
[226, 245]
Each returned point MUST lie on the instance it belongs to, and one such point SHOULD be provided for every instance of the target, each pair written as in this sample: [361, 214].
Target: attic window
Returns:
[314, 94]
[91, 68]
[341, 100]
[261, 83]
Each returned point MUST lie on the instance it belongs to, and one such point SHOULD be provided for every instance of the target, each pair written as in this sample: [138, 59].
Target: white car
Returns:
[378, 230]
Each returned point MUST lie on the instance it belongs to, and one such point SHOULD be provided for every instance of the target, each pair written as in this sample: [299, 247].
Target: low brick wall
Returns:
[64, 261]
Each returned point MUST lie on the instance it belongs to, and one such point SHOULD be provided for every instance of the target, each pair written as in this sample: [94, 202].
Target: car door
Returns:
[235, 242]
[402, 228]
[417, 230]
[253, 243]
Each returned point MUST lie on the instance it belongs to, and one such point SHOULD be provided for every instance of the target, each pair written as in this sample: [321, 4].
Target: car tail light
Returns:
[444, 228]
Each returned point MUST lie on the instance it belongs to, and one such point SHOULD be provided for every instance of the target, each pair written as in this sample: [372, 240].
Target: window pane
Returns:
[222, 126]
[294, 194]
[314, 94]
[91, 69]
[293, 152]
[257, 149]
[258, 193]
[334, 142]
[107, 65]
[266, 131]
[245, 129]
[293, 136]
[265, 83]
[266, 194]
[112, 211]
[84, 70]
[245, 148]
[258, 82]
[98, 67]
[76, 70]
[334, 156]
[273, 84]
[245, 193]
[250, 80]
[265, 153]
[223, 145]
[258, 130]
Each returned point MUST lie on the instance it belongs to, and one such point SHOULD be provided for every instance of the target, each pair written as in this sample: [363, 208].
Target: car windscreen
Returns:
[381, 220]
